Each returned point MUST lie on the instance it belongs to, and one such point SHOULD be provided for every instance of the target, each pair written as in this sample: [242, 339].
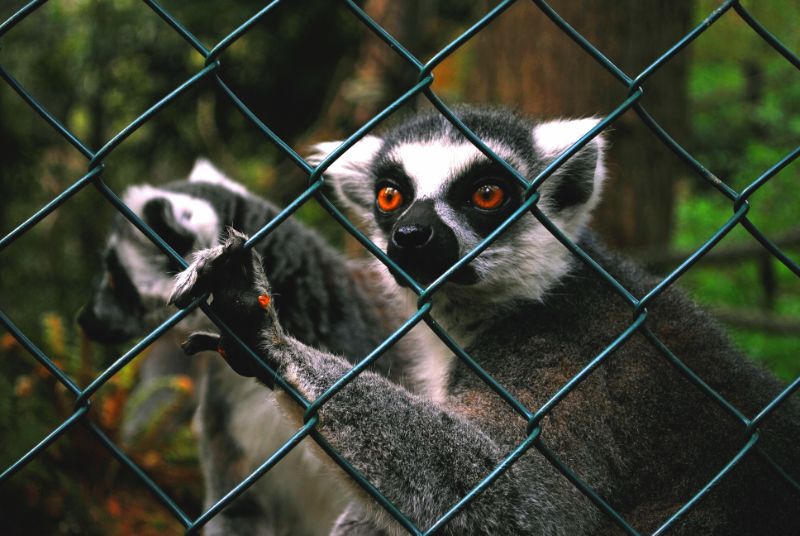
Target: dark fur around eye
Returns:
[390, 173]
[482, 173]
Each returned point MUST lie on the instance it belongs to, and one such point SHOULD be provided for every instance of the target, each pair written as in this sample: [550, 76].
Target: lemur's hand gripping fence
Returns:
[210, 74]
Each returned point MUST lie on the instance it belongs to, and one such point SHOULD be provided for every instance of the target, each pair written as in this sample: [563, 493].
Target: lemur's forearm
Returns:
[399, 441]
[320, 298]
[411, 448]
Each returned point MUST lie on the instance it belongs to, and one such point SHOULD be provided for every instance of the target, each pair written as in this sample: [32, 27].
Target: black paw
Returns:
[200, 341]
[234, 276]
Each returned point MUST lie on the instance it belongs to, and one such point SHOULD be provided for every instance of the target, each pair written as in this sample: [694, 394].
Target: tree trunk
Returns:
[523, 59]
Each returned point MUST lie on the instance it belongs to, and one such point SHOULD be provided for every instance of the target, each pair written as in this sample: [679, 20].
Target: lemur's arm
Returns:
[422, 456]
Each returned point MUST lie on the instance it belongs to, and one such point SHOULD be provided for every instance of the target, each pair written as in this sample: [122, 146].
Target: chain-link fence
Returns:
[209, 73]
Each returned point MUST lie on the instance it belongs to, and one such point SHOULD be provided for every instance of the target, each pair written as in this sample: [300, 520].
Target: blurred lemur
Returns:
[322, 299]
[636, 430]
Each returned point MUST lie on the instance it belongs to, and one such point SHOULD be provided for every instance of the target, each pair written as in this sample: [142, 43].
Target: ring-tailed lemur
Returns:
[329, 303]
[636, 430]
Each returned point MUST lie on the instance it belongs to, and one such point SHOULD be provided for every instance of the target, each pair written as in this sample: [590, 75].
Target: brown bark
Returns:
[524, 60]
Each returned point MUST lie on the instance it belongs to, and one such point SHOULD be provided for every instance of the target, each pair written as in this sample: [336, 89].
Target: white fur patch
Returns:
[351, 161]
[195, 215]
[431, 368]
[149, 279]
[348, 172]
[554, 137]
[205, 171]
[138, 253]
[433, 165]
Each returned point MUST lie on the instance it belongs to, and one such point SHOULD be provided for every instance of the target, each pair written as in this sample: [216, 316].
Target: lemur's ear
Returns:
[158, 213]
[204, 171]
[578, 182]
[349, 174]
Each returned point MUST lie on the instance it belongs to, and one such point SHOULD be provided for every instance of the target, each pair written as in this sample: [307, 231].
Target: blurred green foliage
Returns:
[98, 65]
[745, 114]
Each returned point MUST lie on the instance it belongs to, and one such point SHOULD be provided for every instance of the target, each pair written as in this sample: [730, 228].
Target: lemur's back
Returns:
[652, 439]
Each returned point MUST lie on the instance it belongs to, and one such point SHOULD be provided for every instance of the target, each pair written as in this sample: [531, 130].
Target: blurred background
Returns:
[311, 71]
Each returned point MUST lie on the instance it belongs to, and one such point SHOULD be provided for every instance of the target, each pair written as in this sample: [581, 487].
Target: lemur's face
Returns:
[115, 312]
[429, 196]
[433, 201]
[132, 293]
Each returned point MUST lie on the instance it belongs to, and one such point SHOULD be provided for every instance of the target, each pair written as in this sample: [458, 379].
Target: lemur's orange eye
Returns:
[389, 199]
[488, 197]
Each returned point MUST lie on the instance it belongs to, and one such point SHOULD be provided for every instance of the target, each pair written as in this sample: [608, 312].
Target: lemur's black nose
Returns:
[412, 236]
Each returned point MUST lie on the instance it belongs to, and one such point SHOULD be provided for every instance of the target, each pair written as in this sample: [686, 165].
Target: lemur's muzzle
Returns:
[424, 246]
[113, 315]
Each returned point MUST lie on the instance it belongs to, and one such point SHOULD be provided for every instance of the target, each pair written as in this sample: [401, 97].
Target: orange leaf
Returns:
[8, 342]
[114, 507]
[23, 386]
[183, 383]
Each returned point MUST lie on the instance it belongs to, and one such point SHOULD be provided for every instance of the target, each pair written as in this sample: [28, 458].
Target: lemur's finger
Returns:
[201, 341]
[211, 268]
[237, 359]
[237, 261]
[193, 281]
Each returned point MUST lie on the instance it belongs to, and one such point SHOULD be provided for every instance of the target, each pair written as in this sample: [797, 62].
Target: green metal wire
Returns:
[584, 373]
[585, 489]
[708, 487]
[251, 479]
[210, 73]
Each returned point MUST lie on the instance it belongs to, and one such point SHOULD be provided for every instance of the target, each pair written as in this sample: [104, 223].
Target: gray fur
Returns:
[635, 430]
